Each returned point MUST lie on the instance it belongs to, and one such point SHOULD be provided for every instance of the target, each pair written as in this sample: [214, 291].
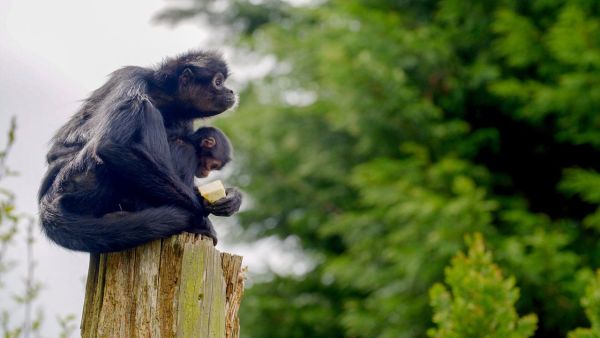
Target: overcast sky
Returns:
[52, 55]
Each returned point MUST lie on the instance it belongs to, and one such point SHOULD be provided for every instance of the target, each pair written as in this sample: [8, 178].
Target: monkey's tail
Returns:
[112, 232]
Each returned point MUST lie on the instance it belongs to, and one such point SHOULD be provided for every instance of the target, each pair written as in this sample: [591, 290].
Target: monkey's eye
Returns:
[218, 81]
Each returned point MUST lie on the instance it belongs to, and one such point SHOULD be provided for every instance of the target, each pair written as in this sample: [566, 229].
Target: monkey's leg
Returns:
[134, 145]
[114, 231]
[137, 166]
[203, 226]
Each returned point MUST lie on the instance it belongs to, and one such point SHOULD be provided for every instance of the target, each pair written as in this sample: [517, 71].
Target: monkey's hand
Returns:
[226, 206]
[204, 227]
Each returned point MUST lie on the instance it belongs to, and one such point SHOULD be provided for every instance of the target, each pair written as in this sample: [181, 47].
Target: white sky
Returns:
[52, 55]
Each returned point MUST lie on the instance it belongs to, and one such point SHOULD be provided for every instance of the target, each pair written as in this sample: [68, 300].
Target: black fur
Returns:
[188, 152]
[190, 157]
[116, 145]
[221, 152]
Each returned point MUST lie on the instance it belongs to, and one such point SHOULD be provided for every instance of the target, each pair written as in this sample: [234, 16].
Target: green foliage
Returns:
[68, 325]
[585, 183]
[570, 68]
[10, 222]
[298, 308]
[8, 217]
[591, 303]
[387, 130]
[480, 302]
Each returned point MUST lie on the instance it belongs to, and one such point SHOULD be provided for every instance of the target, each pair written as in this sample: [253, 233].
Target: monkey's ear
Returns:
[186, 76]
[208, 142]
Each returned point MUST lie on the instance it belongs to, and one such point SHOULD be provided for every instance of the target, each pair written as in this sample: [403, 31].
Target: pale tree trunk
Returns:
[176, 287]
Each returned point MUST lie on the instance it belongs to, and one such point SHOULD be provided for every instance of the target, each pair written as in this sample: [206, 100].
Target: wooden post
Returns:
[177, 287]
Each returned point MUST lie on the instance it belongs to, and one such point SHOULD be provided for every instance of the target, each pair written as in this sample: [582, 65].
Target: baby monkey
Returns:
[206, 150]
[197, 154]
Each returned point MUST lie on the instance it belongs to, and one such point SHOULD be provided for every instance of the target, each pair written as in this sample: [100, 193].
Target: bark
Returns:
[176, 287]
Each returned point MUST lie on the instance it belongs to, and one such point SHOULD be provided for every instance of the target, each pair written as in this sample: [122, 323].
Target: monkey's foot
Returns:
[204, 227]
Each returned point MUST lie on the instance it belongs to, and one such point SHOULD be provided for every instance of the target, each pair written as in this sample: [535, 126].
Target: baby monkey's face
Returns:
[206, 165]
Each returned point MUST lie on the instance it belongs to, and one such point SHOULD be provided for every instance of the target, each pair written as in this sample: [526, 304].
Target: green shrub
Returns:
[479, 301]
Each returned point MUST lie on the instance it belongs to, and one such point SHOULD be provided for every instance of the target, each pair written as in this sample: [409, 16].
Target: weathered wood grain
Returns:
[177, 287]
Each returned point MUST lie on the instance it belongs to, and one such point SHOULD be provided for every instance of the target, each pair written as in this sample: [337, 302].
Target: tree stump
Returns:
[175, 287]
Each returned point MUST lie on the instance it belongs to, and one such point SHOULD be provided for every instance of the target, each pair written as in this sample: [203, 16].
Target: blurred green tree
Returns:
[480, 302]
[386, 130]
[591, 303]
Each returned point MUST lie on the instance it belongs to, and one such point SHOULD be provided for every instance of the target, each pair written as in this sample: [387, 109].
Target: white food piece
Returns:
[212, 191]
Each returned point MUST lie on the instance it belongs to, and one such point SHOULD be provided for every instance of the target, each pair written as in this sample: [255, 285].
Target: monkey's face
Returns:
[206, 165]
[205, 94]
[211, 156]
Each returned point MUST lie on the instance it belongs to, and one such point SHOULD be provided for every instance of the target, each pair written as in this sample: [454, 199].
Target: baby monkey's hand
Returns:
[226, 206]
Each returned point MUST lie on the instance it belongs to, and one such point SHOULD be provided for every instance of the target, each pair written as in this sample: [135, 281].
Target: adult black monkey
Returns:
[116, 145]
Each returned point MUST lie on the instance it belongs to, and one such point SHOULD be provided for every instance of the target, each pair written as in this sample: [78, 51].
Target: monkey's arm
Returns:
[58, 156]
[60, 151]
[53, 169]
[135, 147]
